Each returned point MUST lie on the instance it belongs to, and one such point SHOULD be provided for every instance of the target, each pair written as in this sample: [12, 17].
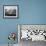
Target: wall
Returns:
[30, 12]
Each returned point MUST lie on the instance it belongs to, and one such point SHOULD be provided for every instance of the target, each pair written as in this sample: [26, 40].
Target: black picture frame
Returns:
[11, 11]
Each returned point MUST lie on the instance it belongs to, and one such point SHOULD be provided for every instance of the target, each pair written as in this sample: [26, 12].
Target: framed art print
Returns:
[10, 11]
[33, 32]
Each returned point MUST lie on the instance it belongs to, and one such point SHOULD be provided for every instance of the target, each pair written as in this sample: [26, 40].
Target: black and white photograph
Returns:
[10, 11]
[32, 32]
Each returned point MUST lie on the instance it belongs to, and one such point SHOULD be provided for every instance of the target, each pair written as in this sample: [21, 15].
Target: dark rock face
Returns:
[11, 12]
